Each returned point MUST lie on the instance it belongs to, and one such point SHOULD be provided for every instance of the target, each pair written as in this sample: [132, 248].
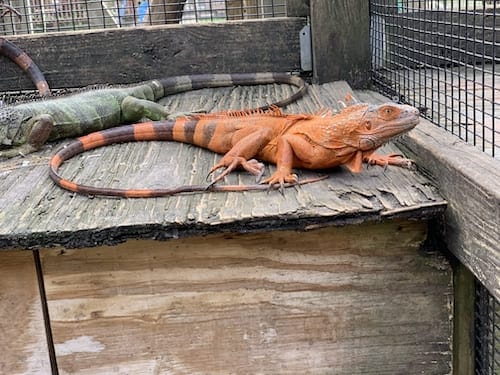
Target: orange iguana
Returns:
[311, 141]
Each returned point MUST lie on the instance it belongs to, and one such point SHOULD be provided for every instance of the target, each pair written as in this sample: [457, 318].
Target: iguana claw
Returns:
[279, 178]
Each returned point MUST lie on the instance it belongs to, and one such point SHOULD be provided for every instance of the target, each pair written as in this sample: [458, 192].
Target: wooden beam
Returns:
[470, 182]
[335, 300]
[341, 41]
[23, 344]
[76, 59]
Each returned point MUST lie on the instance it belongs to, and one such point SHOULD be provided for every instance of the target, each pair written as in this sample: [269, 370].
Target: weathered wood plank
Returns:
[341, 41]
[35, 213]
[352, 300]
[470, 181]
[23, 345]
[146, 53]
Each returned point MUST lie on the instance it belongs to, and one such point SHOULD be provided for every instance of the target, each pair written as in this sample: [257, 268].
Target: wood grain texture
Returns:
[23, 346]
[133, 55]
[35, 213]
[470, 182]
[354, 300]
[341, 41]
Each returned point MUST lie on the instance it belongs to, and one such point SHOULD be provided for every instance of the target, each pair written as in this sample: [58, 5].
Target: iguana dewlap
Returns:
[25, 127]
[290, 141]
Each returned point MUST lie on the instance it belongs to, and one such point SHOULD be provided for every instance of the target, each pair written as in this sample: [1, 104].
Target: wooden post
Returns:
[341, 41]
[470, 181]
[463, 316]
[23, 343]
[297, 8]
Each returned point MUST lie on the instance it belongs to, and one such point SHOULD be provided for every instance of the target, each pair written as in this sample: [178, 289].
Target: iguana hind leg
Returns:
[252, 166]
[134, 109]
[247, 145]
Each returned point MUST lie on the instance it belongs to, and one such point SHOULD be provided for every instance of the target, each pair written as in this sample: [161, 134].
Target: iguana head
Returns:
[367, 127]
[11, 120]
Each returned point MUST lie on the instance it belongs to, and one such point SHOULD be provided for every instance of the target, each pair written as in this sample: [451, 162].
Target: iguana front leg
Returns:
[385, 160]
[289, 147]
[37, 134]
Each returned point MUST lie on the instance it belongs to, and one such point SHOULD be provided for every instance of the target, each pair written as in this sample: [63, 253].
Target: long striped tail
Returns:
[178, 84]
[14, 53]
[149, 131]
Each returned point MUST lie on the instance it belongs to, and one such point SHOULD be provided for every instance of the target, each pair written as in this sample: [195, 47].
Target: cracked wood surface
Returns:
[36, 213]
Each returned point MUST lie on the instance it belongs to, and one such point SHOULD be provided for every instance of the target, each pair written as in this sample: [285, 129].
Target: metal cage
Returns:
[441, 57]
[486, 332]
[38, 16]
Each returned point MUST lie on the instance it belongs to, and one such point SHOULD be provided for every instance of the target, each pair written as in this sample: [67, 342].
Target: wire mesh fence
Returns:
[442, 57]
[39, 16]
[486, 333]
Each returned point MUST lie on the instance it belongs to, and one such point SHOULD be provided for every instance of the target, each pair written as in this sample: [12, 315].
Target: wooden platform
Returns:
[36, 213]
[332, 277]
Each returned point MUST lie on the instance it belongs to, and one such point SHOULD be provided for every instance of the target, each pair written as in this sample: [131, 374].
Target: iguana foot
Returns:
[391, 159]
[22, 150]
[230, 163]
[279, 178]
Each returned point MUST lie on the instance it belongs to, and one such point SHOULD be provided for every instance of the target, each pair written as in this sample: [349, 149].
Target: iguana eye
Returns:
[368, 125]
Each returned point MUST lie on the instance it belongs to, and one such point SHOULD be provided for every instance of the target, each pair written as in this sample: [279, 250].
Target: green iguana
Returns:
[317, 141]
[25, 127]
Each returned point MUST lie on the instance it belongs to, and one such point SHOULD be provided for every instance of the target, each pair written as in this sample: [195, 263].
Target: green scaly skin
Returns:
[26, 127]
